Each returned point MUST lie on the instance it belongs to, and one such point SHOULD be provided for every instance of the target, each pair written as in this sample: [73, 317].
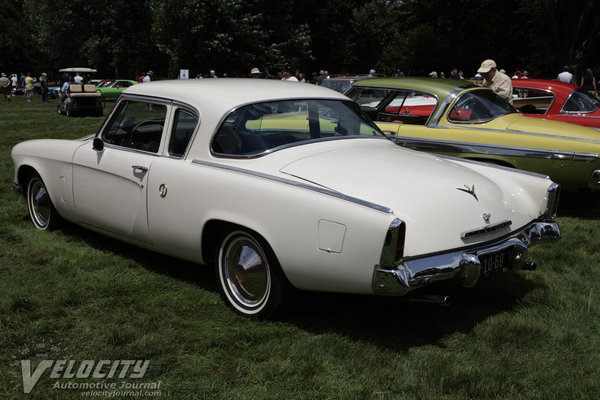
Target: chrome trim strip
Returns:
[485, 229]
[462, 265]
[317, 189]
[446, 146]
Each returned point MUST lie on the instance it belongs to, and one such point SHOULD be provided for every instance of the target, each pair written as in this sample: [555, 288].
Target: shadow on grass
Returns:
[398, 323]
[579, 205]
[389, 322]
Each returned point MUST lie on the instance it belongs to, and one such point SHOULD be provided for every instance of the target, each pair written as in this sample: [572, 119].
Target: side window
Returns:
[181, 134]
[136, 125]
[532, 101]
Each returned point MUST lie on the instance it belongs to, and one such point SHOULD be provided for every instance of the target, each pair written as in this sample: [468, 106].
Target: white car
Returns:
[281, 185]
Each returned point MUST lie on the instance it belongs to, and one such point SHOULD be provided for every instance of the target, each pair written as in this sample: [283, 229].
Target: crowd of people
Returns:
[488, 74]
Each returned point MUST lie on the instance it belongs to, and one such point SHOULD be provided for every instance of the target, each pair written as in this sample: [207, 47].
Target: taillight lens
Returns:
[553, 197]
[393, 248]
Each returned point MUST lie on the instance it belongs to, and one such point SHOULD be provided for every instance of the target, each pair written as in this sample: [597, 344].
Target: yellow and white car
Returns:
[461, 119]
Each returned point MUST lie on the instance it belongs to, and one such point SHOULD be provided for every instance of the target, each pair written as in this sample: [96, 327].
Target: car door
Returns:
[110, 186]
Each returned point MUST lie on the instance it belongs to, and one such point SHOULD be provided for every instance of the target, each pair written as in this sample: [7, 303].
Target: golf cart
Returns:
[81, 98]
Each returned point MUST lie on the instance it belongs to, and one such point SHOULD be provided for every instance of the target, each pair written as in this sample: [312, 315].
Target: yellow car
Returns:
[461, 119]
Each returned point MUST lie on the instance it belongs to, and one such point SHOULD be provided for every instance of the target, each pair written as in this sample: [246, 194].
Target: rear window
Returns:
[260, 128]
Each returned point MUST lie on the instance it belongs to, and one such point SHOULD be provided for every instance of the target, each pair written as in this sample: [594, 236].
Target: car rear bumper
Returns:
[466, 265]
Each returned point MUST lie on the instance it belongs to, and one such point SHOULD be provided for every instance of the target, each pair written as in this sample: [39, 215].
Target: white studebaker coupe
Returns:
[278, 184]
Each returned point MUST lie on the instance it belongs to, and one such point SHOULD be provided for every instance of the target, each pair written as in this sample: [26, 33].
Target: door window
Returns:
[137, 125]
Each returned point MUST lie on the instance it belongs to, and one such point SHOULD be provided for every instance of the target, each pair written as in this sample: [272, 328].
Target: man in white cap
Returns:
[255, 73]
[496, 80]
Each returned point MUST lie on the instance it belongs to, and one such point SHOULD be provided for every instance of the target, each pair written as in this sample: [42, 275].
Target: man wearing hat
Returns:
[255, 73]
[148, 77]
[5, 86]
[496, 80]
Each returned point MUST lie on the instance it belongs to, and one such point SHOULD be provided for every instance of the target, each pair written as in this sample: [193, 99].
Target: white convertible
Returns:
[278, 184]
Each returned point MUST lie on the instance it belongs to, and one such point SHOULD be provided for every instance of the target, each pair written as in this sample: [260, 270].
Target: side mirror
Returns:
[98, 144]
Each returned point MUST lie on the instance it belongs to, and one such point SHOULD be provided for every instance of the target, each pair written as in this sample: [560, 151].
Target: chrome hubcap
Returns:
[39, 203]
[246, 271]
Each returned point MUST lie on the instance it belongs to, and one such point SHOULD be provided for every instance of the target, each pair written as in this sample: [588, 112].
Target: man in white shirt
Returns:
[565, 76]
[148, 77]
[496, 80]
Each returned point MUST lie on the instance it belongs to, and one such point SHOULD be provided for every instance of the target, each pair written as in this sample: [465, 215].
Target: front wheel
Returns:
[39, 205]
[250, 278]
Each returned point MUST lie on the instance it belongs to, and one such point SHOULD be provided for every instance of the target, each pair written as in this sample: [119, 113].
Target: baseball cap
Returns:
[486, 66]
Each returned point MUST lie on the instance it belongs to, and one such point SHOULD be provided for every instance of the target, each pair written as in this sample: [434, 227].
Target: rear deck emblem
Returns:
[470, 190]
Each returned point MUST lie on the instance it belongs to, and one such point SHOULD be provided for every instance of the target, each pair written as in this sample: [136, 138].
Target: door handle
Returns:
[139, 167]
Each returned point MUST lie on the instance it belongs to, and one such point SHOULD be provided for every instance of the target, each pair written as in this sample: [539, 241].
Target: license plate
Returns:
[492, 263]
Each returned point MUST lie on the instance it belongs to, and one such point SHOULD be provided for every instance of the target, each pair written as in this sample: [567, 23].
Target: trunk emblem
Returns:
[486, 217]
[470, 190]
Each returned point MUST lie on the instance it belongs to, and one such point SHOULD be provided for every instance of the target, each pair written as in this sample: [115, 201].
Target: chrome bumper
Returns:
[462, 265]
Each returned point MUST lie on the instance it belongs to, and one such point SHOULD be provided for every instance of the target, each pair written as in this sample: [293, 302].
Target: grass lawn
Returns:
[75, 295]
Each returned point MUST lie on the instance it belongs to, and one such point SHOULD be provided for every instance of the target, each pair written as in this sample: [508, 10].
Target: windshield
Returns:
[259, 128]
[581, 101]
[478, 106]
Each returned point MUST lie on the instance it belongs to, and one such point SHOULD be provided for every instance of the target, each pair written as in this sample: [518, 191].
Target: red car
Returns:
[560, 101]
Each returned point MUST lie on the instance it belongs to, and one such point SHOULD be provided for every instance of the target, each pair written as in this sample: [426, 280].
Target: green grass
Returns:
[73, 294]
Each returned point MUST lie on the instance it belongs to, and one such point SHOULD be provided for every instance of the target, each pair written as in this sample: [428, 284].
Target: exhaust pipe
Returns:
[439, 300]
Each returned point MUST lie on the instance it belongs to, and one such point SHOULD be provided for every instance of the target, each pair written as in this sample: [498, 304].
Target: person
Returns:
[44, 86]
[525, 75]
[461, 75]
[29, 88]
[148, 77]
[13, 81]
[322, 76]
[64, 89]
[213, 74]
[588, 82]
[454, 74]
[371, 73]
[496, 80]
[78, 78]
[433, 74]
[255, 73]
[5, 86]
[287, 76]
[565, 75]
[517, 75]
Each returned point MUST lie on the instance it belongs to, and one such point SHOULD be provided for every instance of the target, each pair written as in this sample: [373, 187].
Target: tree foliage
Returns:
[344, 36]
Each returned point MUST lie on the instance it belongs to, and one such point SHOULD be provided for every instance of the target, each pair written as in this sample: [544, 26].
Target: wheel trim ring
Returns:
[253, 289]
[40, 213]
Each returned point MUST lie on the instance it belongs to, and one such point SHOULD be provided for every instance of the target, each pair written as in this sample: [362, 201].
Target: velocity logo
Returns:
[71, 369]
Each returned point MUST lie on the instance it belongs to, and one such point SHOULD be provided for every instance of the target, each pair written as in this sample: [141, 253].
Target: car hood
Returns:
[522, 123]
[436, 198]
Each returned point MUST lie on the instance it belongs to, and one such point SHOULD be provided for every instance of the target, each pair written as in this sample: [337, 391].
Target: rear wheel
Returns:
[39, 205]
[250, 278]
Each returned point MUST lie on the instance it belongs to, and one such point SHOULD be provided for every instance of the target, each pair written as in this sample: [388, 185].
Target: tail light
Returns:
[393, 247]
[552, 204]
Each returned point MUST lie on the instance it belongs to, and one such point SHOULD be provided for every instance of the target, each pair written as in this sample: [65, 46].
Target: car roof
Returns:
[78, 69]
[439, 87]
[547, 84]
[226, 93]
